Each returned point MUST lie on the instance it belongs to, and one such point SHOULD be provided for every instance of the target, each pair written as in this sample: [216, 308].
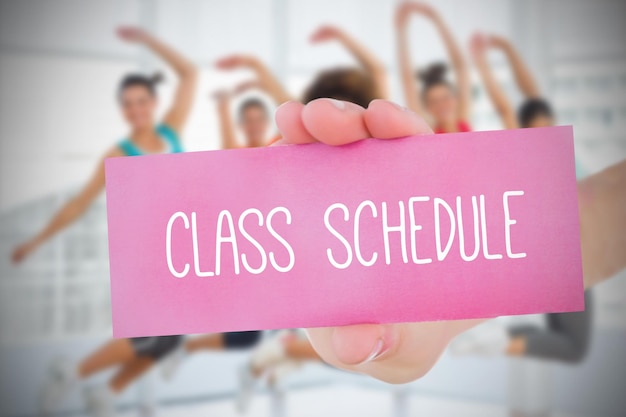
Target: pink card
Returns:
[424, 228]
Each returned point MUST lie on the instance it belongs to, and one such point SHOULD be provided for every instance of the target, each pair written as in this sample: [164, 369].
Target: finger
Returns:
[219, 94]
[350, 347]
[316, 36]
[289, 123]
[387, 120]
[228, 62]
[334, 122]
[395, 353]
[223, 63]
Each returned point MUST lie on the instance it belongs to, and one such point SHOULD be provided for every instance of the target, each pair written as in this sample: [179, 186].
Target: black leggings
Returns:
[566, 339]
[241, 340]
[155, 347]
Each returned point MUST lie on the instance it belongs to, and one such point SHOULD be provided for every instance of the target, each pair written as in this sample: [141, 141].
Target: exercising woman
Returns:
[445, 106]
[285, 351]
[253, 120]
[137, 97]
[535, 111]
[567, 336]
[252, 114]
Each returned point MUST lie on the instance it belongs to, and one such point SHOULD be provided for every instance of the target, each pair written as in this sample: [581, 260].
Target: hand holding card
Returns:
[420, 229]
[395, 353]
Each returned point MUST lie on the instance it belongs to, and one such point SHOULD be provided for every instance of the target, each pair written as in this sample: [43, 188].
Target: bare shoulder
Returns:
[114, 152]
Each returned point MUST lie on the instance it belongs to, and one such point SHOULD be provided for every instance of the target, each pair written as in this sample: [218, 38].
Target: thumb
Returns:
[350, 347]
[360, 344]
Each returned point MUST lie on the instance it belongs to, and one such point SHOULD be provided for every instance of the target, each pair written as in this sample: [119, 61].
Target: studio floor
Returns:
[338, 400]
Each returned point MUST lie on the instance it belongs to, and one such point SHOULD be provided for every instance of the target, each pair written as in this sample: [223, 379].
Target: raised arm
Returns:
[71, 211]
[227, 129]
[459, 64]
[503, 106]
[410, 85]
[185, 70]
[602, 204]
[372, 65]
[523, 77]
[264, 78]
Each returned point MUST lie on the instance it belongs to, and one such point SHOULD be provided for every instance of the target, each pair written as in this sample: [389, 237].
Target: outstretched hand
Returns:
[496, 41]
[22, 251]
[422, 8]
[326, 33]
[131, 33]
[232, 62]
[394, 353]
[478, 46]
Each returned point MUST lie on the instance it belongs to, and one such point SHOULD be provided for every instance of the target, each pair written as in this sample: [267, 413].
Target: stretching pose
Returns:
[253, 120]
[264, 79]
[282, 353]
[567, 336]
[137, 97]
[253, 115]
[535, 111]
[445, 106]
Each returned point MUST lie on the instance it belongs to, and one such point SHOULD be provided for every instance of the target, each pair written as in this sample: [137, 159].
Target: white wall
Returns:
[60, 63]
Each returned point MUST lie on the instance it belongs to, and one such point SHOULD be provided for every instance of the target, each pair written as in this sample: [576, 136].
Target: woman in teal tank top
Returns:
[137, 98]
[138, 101]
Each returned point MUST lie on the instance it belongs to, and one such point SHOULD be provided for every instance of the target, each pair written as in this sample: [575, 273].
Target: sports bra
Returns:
[169, 136]
[462, 126]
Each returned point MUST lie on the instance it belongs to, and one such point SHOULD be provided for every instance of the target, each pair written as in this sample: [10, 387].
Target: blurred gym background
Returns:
[60, 64]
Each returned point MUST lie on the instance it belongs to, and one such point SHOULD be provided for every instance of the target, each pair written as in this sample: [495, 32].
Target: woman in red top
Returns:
[446, 107]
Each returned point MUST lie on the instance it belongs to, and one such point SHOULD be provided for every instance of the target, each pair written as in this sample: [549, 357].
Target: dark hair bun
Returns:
[533, 108]
[433, 74]
[347, 84]
[132, 80]
[157, 78]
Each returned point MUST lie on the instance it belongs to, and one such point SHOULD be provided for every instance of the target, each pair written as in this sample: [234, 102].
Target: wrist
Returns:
[146, 39]
[436, 18]
[401, 27]
[36, 241]
[503, 45]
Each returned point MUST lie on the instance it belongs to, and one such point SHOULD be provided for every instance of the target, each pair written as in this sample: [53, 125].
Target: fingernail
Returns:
[377, 351]
[398, 107]
[341, 105]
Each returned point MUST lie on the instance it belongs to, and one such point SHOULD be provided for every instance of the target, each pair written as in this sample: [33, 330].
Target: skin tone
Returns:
[601, 196]
[480, 45]
[264, 79]
[399, 353]
[368, 61]
[253, 121]
[120, 351]
[138, 107]
[114, 353]
[207, 342]
[443, 107]
[516, 347]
